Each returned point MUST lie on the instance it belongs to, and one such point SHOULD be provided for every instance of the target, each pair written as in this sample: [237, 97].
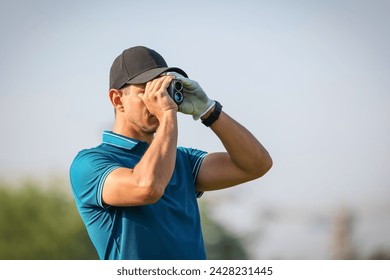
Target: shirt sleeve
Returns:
[87, 175]
[195, 158]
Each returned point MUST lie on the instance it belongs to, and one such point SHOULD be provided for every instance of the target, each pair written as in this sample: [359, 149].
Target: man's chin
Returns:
[149, 129]
[152, 126]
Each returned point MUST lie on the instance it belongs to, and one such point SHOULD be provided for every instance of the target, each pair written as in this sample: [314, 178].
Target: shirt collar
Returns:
[120, 141]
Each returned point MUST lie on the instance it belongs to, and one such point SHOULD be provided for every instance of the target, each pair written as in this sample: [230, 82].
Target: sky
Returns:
[310, 79]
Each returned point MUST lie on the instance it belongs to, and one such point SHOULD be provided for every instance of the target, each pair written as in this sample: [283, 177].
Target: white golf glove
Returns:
[195, 102]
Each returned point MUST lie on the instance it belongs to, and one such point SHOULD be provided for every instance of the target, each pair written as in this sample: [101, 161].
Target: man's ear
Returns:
[116, 99]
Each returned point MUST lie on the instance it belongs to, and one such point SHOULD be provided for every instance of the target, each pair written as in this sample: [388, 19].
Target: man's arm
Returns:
[145, 184]
[245, 158]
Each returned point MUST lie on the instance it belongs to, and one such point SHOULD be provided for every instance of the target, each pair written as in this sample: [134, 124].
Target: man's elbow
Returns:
[150, 194]
[268, 164]
[264, 164]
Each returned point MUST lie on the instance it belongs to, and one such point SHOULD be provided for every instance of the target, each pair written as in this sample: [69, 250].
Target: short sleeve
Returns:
[87, 175]
[195, 158]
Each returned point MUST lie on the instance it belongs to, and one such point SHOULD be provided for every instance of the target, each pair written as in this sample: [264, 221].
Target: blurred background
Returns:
[309, 78]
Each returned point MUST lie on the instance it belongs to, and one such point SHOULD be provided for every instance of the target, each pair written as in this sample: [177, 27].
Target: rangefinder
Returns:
[175, 91]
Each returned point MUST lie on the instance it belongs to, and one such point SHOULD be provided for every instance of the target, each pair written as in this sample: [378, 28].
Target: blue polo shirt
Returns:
[167, 229]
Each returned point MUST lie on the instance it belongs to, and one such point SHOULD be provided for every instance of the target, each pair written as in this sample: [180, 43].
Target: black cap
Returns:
[138, 65]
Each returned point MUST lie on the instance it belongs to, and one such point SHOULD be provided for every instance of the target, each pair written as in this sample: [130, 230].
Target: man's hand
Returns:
[156, 98]
[195, 102]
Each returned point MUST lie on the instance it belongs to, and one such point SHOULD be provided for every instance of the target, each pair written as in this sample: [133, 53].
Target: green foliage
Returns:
[220, 243]
[37, 223]
[42, 223]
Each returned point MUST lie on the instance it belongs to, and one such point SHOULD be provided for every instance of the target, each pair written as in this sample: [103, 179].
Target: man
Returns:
[137, 191]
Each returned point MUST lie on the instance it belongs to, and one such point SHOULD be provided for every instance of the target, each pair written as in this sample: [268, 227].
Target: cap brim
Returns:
[154, 73]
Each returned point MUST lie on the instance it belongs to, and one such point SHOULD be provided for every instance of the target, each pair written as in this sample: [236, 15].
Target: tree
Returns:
[220, 243]
[39, 223]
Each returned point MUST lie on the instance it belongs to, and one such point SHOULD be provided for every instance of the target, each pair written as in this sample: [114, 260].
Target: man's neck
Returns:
[137, 134]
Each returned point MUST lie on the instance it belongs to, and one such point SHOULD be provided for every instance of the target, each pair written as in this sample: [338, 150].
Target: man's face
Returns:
[135, 112]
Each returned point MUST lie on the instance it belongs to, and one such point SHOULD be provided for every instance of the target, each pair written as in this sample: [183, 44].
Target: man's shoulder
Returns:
[89, 153]
[90, 158]
[90, 163]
